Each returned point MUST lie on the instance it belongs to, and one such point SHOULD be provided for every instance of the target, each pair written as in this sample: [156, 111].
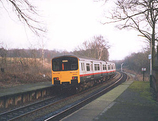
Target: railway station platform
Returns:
[24, 88]
[23, 93]
[123, 103]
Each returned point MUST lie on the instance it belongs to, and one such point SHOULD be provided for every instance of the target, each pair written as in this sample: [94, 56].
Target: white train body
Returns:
[70, 69]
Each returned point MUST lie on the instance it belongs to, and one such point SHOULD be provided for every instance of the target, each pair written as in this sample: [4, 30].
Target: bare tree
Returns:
[27, 13]
[96, 48]
[3, 57]
[101, 47]
[141, 15]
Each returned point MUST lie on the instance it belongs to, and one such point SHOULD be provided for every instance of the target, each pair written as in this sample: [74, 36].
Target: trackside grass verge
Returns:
[143, 88]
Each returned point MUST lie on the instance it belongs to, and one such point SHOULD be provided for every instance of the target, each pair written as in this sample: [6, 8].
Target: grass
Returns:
[136, 104]
[143, 88]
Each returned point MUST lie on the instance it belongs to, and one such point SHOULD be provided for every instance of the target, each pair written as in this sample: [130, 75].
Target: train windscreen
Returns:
[65, 64]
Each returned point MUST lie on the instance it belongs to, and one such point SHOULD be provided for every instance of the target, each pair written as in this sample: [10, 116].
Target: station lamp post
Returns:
[151, 61]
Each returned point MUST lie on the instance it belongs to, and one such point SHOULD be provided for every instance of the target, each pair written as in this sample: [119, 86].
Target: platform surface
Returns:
[119, 104]
[24, 88]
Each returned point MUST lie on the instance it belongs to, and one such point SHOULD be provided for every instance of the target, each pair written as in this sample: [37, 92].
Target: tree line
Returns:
[135, 62]
[27, 53]
[29, 65]
[96, 48]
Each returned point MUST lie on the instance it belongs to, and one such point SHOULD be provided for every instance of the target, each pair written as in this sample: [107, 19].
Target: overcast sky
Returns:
[69, 23]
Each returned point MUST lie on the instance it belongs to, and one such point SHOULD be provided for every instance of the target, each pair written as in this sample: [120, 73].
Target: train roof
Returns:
[61, 55]
[82, 58]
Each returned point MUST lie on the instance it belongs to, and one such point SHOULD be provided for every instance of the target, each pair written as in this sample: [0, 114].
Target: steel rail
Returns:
[13, 114]
[75, 107]
[28, 109]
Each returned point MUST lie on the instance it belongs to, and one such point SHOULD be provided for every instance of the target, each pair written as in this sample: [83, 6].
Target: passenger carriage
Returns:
[70, 69]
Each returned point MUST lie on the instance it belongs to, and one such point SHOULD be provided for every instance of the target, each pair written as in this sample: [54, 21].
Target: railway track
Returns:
[73, 107]
[25, 111]
[28, 109]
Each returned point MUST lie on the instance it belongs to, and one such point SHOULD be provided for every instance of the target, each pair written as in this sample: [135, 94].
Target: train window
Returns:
[108, 67]
[56, 66]
[96, 67]
[104, 67]
[82, 67]
[73, 66]
[88, 66]
[64, 64]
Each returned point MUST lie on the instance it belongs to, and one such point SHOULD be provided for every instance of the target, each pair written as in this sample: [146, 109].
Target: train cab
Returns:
[65, 70]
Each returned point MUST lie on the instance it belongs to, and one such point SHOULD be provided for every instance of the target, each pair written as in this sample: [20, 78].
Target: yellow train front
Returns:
[81, 72]
[65, 70]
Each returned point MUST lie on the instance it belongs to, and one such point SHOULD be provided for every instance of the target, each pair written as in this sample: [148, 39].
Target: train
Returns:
[74, 70]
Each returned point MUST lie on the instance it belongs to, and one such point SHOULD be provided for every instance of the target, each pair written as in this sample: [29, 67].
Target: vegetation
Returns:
[19, 66]
[26, 12]
[17, 70]
[143, 88]
[134, 64]
[140, 15]
[137, 61]
[96, 48]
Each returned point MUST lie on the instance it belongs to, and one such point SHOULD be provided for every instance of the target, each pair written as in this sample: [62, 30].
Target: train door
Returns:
[92, 70]
[88, 71]
[82, 71]
[101, 69]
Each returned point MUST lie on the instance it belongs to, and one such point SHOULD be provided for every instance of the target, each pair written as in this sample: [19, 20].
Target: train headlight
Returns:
[74, 78]
[56, 78]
